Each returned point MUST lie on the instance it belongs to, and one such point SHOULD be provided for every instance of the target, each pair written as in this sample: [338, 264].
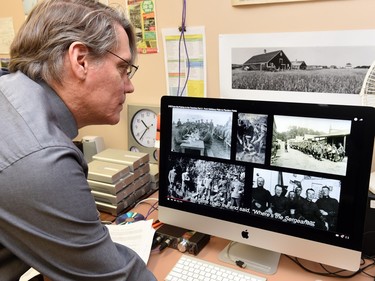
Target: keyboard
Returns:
[194, 269]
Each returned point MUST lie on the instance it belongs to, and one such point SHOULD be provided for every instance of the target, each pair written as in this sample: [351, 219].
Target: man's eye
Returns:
[123, 70]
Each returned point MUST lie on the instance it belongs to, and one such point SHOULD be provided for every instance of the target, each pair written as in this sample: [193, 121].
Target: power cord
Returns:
[182, 30]
[341, 273]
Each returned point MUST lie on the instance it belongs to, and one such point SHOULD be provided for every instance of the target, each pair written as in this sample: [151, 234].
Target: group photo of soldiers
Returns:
[251, 138]
[194, 128]
[320, 149]
[297, 199]
[311, 144]
[207, 183]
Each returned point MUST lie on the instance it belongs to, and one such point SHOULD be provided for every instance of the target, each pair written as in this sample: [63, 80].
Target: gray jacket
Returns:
[48, 217]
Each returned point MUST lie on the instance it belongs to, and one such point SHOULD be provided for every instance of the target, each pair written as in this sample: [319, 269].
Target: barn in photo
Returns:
[272, 61]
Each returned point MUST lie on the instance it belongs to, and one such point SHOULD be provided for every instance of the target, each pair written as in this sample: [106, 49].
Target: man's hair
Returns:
[53, 25]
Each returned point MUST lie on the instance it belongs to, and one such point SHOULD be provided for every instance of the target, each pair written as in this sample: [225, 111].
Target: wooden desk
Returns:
[161, 263]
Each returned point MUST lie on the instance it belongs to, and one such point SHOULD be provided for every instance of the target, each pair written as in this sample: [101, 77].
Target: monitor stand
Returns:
[257, 259]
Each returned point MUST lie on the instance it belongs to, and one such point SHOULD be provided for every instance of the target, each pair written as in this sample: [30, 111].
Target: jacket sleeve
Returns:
[49, 220]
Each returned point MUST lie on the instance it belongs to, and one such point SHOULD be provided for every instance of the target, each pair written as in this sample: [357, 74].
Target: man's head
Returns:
[260, 182]
[310, 193]
[325, 191]
[83, 50]
[278, 190]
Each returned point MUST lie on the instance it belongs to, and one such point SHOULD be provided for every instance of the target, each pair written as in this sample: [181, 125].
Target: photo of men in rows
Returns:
[311, 144]
[202, 132]
[208, 183]
[297, 199]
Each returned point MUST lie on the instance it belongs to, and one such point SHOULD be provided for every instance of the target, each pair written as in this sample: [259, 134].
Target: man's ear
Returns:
[78, 58]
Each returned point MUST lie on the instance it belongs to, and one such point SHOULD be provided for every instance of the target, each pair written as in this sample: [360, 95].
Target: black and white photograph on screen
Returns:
[296, 198]
[207, 183]
[312, 144]
[201, 132]
[251, 137]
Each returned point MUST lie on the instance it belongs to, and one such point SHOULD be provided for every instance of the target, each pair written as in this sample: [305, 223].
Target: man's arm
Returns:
[51, 222]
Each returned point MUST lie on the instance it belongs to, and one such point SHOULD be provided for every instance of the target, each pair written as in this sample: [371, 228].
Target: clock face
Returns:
[143, 127]
[156, 154]
[134, 149]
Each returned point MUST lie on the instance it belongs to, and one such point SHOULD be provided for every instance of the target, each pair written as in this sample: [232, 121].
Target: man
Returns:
[279, 203]
[207, 139]
[310, 211]
[328, 208]
[172, 177]
[261, 197]
[237, 192]
[71, 64]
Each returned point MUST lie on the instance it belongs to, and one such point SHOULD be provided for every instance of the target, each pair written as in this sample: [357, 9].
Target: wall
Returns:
[14, 10]
[220, 17]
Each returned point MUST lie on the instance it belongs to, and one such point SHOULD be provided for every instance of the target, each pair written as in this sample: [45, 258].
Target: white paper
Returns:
[176, 61]
[29, 274]
[137, 236]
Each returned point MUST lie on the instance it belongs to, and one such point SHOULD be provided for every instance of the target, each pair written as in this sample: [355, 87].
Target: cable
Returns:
[154, 207]
[182, 29]
[239, 263]
[339, 273]
[165, 244]
[145, 200]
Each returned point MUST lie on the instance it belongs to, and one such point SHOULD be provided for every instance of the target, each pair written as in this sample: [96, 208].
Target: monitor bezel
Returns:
[227, 225]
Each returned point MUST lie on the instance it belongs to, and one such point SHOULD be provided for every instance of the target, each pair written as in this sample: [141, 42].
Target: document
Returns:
[137, 236]
[185, 61]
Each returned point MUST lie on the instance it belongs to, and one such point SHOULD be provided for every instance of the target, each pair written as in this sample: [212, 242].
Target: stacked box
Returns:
[154, 173]
[117, 192]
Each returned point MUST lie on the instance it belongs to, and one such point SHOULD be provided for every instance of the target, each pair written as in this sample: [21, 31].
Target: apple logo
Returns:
[245, 234]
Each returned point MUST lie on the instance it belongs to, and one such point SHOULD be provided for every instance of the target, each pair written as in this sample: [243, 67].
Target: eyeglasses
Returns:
[132, 68]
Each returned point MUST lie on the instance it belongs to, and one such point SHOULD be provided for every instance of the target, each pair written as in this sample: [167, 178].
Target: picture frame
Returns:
[330, 51]
[250, 2]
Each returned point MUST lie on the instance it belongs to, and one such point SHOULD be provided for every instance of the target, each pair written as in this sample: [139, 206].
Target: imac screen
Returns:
[290, 178]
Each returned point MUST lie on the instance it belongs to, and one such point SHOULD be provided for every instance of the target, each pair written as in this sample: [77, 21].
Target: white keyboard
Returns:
[194, 269]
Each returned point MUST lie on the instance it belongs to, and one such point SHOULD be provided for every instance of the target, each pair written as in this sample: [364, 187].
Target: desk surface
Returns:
[161, 263]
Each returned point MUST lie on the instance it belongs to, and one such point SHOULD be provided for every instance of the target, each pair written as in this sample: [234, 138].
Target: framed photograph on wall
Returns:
[249, 2]
[319, 67]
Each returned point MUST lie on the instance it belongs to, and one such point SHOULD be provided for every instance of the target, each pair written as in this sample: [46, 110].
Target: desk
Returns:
[193, 145]
[161, 264]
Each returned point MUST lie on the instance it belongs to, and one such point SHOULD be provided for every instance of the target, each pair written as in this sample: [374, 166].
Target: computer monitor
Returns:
[273, 177]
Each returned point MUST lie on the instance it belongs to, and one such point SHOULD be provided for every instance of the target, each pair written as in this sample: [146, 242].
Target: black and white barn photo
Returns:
[324, 66]
[338, 69]
[312, 144]
[296, 198]
[202, 132]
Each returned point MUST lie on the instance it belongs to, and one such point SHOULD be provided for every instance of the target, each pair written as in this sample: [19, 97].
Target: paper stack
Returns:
[118, 178]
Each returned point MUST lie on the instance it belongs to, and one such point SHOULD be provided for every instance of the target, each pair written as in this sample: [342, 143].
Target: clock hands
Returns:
[144, 132]
[144, 124]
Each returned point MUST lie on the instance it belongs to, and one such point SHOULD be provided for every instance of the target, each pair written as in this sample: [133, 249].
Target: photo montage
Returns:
[269, 166]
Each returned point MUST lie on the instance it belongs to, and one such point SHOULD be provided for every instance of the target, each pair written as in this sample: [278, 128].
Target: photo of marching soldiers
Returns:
[296, 199]
[313, 144]
[251, 138]
[209, 183]
[202, 132]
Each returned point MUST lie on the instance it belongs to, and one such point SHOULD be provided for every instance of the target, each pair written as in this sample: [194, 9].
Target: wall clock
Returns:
[142, 120]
